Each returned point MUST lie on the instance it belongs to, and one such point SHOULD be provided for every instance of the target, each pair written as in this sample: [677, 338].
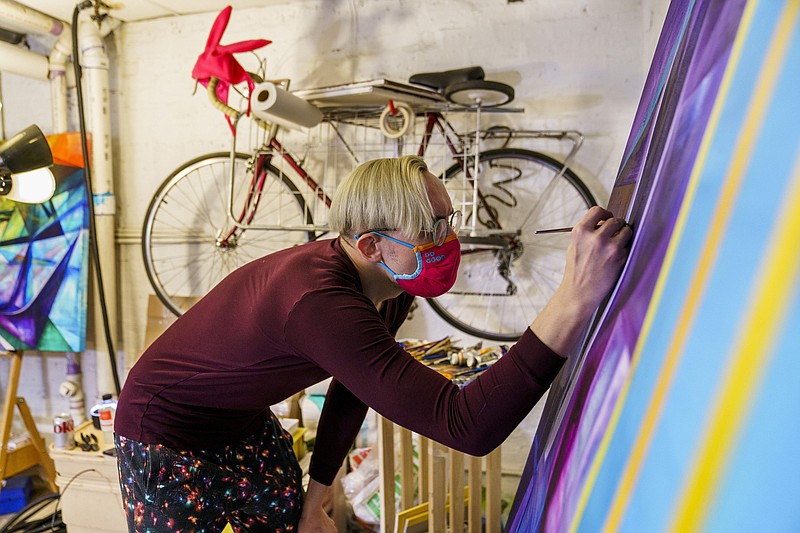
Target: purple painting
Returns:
[670, 122]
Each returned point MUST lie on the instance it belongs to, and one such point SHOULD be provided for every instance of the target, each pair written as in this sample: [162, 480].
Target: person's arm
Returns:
[341, 419]
[339, 423]
[354, 345]
[595, 258]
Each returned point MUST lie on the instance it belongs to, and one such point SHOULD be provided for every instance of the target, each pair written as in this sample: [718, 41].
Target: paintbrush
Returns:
[554, 230]
[562, 230]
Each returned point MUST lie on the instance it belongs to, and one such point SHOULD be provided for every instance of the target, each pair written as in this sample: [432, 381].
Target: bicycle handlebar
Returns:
[217, 103]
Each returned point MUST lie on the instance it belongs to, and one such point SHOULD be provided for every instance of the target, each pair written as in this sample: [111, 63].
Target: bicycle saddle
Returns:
[438, 81]
[466, 87]
[479, 93]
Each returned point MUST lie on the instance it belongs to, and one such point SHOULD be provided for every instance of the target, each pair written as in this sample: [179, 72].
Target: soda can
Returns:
[63, 432]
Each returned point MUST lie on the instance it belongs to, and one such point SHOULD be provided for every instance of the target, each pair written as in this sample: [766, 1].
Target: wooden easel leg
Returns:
[8, 409]
[38, 443]
[42, 457]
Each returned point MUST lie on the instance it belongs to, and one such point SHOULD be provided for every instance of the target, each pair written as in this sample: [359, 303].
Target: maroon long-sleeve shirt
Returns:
[291, 319]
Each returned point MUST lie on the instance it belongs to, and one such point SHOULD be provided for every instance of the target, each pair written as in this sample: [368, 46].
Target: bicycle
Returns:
[221, 210]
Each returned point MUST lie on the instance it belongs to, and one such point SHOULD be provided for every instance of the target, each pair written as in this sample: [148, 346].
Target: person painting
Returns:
[197, 444]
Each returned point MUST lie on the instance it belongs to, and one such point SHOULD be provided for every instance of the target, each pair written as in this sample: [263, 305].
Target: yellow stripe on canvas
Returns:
[742, 153]
[777, 283]
[623, 491]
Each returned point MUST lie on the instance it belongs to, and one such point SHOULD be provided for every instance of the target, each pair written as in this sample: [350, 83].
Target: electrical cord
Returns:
[88, 181]
[66, 487]
[22, 523]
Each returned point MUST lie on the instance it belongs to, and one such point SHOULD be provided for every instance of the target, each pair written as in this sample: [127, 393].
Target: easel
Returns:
[13, 462]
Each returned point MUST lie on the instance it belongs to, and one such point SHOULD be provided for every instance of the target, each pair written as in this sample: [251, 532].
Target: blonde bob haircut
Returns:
[384, 194]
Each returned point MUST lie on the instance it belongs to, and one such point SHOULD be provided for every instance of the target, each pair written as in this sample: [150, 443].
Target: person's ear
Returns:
[367, 245]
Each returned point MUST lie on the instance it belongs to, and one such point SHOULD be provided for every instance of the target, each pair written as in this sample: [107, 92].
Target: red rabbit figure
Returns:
[217, 60]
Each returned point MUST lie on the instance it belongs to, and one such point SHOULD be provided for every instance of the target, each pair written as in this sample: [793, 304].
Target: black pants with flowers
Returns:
[255, 485]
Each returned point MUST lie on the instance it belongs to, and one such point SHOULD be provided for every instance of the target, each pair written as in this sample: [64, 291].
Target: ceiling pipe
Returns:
[14, 16]
[94, 65]
[20, 61]
[23, 62]
[61, 72]
[57, 72]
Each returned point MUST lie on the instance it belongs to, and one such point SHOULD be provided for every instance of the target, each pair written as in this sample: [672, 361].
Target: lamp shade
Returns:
[32, 187]
[27, 150]
[24, 162]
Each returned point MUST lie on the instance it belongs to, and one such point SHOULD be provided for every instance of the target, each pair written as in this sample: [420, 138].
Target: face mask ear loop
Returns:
[416, 273]
[381, 263]
[398, 241]
[394, 274]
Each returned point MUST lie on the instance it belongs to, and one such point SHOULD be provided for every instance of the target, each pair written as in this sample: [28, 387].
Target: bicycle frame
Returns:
[506, 192]
[434, 121]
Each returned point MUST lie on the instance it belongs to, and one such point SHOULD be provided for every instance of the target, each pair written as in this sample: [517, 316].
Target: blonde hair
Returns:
[383, 194]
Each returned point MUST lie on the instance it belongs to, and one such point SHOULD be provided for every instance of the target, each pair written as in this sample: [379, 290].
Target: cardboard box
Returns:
[159, 318]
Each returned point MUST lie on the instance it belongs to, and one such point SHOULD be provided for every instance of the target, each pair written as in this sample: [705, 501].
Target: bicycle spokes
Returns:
[507, 273]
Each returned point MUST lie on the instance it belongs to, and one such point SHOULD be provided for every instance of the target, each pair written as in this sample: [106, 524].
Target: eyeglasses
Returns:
[440, 227]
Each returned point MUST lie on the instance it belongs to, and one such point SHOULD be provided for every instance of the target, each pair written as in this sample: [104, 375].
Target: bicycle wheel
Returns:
[507, 272]
[189, 242]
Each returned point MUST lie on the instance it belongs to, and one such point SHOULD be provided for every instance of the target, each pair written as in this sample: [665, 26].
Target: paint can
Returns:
[63, 432]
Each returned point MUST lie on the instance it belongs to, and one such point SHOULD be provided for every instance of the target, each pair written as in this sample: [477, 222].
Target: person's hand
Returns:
[595, 258]
[314, 519]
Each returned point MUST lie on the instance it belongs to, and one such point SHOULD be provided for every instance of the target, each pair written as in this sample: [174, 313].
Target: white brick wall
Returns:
[575, 64]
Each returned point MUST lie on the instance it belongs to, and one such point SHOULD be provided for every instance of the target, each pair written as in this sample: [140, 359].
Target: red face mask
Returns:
[437, 267]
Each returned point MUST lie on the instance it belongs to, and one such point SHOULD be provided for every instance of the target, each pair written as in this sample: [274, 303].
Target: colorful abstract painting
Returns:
[677, 414]
[43, 261]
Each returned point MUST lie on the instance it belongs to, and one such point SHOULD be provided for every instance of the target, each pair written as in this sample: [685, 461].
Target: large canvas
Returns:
[43, 261]
[648, 429]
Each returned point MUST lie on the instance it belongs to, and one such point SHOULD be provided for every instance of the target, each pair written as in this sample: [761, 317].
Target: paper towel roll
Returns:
[273, 104]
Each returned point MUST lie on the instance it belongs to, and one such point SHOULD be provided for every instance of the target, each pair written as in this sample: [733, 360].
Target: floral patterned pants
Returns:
[255, 485]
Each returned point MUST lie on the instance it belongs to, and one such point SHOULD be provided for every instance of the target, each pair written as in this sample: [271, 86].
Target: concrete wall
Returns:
[575, 64]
